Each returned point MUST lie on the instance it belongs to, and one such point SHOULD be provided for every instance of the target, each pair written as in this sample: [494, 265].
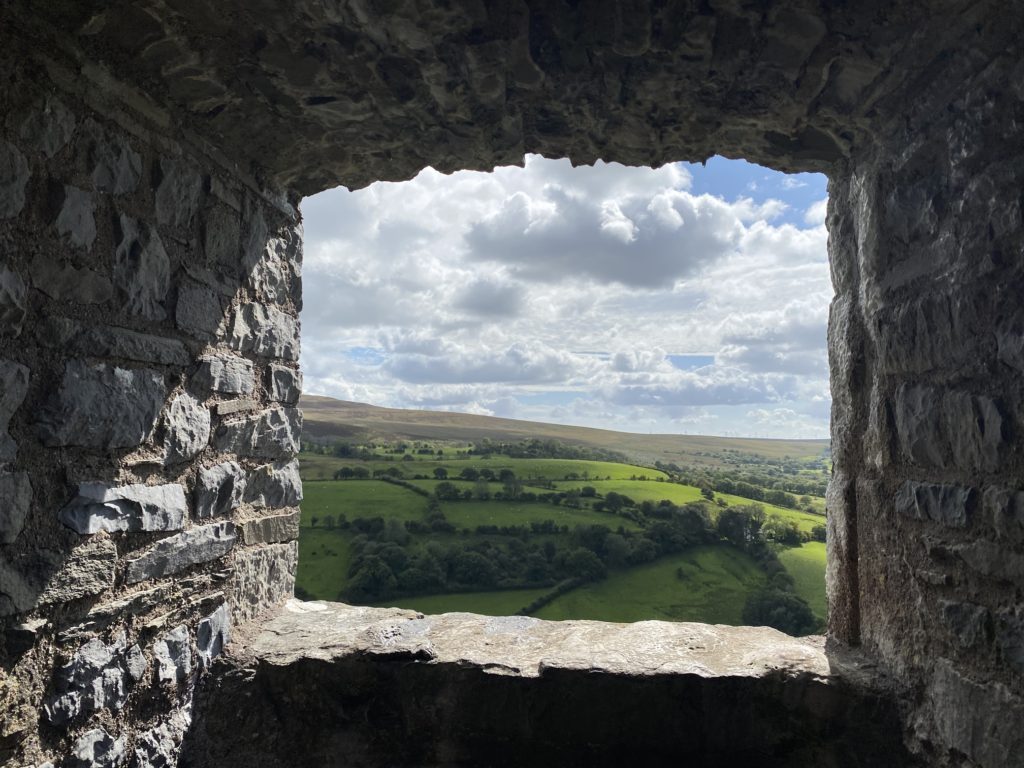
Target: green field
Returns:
[806, 565]
[469, 514]
[360, 498]
[717, 582]
[323, 562]
[499, 603]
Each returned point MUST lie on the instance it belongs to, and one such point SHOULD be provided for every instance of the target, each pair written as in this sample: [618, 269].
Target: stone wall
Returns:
[148, 420]
[926, 503]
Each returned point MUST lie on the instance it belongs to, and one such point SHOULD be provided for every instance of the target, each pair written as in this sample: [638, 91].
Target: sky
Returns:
[685, 299]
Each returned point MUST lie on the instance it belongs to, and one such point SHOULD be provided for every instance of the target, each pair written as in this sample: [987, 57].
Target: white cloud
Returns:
[815, 213]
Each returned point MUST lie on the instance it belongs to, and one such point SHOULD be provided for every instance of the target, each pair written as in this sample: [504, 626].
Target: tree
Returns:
[588, 491]
[373, 579]
[473, 569]
[447, 491]
[469, 473]
[440, 473]
[506, 476]
[328, 521]
[818, 533]
[780, 609]
[584, 564]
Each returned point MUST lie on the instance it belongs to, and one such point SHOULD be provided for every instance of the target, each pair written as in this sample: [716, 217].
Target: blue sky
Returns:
[687, 299]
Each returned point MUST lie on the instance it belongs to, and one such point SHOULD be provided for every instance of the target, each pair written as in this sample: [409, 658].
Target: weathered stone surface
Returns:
[14, 379]
[96, 678]
[88, 570]
[108, 341]
[275, 485]
[103, 406]
[213, 635]
[169, 556]
[1004, 509]
[199, 311]
[15, 501]
[967, 622]
[284, 384]
[173, 654]
[48, 127]
[266, 331]
[222, 236]
[116, 167]
[991, 559]
[230, 407]
[158, 747]
[271, 530]
[272, 434]
[219, 489]
[187, 429]
[270, 276]
[1010, 636]
[61, 281]
[228, 375]
[177, 194]
[76, 221]
[264, 577]
[141, 267]
[950, 505]
[96, 749]
[14, 176]
[100, 507]
[12, 302]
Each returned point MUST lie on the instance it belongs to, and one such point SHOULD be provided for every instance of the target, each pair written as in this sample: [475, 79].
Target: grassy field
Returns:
[498, 603]
[806, 565]
[717, 582]
[469, 514]
[360, 498]
[323, 562]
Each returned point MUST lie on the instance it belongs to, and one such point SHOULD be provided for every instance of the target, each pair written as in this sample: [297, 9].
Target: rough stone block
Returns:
[158, 747]
[222, 236]
[96, 749]
[212, 635]
[14, 379]
[199, 311]
[15, 501]
[12, 302]
[14, 176]
[177, 194]
[974, 427]
[141, 267]
[116, 167]
[264, 578]
[284, 384]
[950, 505]
[131, 345]
[173, 654]
[270, 276]
[272, 434]
[1010, 635]
[100, 507]
[1004, 510]
[266, 331]
[187, 429]
[236, 406]
[271, 530]
[102, 406]
[918, 414]
[219, 489]
[76, 221]
[227, 375]
[97, 677]
[48, 127]
[274, 485]
[63, 282]
[993, 560]
[169, 556]
[87, 571]
[967, 622]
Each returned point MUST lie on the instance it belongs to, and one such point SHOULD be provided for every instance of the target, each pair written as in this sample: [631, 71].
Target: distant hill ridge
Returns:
[327, 418]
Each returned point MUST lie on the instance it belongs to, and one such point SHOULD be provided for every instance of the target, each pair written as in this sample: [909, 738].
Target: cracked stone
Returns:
[199, 311]
[48, 127]
[212, 635]
[272, 434]
[227, 375]
[173, 654]
[159, 746]
[76, 221]
[274, 485]
[95, 678]
[63, 282]
[188, 429]
[284, 384]
[177, 196]
[169, 556]
[14, 176]
[949, 505]
[219, 489]
[103, 406]
[100, 507]
[96, 749]
[141, 267]
[265, 331]
[12, 302]
[15, 500]
[14, 379]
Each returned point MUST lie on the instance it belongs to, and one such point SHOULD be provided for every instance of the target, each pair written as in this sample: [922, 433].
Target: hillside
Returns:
[329, 418]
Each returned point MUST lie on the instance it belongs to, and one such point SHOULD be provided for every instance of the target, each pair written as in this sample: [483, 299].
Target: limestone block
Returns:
[264, 578]
[993, 560]
[199, 311]
[1010, 635]
[102, 406]
[974, 426]
[158, 747]
[12, 302]
[274, 485]
[87, 571]
[236, 406]
[115, 167]
[222, 236]
[96, 749]
[101, 507]
[212, 635]
[265, 331]
[48, 127]
[270, 275]
[141, 267]
[950, 505]
[272, 434]
[188, 429]
[284, 384]
[918, 412]
[1004, 510]
[14, 176]
[271, 530]
[76, 221]
[177, 194]
[14, 379]
[173, 654]
[96, 678]
[219, 489]
[62, 282]
[15, 501]
[135, 663]
[224, 374]
[108, 341]
[967, 622]
[174, 554]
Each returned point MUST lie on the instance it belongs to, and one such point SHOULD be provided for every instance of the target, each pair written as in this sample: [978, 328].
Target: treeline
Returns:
[544, 449]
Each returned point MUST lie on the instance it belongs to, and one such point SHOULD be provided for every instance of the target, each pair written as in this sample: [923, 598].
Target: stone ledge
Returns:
[385, 686]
